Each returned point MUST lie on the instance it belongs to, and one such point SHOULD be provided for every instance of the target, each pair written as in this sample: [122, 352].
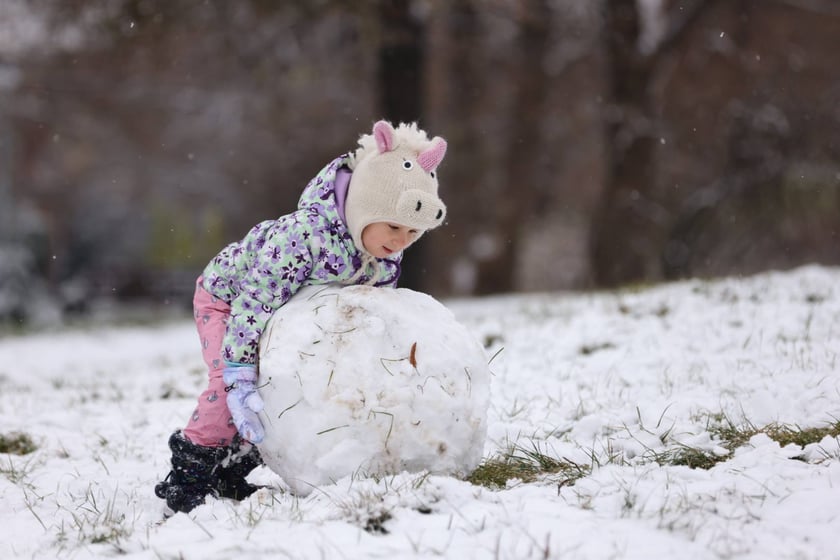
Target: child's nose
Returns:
[402, 238]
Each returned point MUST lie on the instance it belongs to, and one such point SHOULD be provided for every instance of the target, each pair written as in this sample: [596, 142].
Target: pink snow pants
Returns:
[211, 424]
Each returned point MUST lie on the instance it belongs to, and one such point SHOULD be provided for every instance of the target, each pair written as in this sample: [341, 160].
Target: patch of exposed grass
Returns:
[531, 464]
[690, 457]
[494, 473]
[16, 443]
[527, 465]
[734, 436]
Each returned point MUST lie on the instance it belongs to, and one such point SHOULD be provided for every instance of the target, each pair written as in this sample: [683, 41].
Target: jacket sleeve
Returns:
[280, 267]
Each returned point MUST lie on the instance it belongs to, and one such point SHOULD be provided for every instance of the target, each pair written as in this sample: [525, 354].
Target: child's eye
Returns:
[394, 227]
[407, 164]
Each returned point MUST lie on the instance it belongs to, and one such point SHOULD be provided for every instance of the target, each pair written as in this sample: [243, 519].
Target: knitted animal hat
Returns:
[395, 180]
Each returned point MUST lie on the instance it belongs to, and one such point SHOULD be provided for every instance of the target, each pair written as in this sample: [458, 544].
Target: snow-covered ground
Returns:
[607, 380]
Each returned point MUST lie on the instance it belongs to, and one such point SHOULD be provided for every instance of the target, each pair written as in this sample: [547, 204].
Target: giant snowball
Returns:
[370, 380]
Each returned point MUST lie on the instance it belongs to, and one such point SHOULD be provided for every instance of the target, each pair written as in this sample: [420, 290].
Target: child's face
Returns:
[383, 239]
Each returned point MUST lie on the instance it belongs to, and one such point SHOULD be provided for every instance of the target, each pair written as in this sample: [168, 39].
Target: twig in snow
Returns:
[391, 427]
[282, 412]
[332, 429]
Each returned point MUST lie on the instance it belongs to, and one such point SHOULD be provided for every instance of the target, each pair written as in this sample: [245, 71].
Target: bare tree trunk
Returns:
[497, 274]
[401, 62]
[622, 228]
[628, 230]
[7, 198]
[458, 97]
[401, 94]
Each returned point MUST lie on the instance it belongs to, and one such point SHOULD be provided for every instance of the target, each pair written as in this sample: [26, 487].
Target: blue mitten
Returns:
[243, 400]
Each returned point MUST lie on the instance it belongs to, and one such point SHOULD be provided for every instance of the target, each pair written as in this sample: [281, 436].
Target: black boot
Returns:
[198, 470]
[193, 473]
[230, 480]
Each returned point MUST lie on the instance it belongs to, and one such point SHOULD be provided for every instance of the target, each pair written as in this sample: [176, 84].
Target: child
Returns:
[353, 222]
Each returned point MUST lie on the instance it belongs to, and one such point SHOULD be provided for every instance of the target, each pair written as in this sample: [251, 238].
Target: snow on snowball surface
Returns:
[371, 380]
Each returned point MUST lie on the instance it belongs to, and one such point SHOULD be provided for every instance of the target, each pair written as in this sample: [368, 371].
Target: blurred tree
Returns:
[457, 95]
[488, 89]
[627, 230]
[704, 132]
[722, 158]
[754, 150]
[514, 204]
[401, 79]
[201, 104]
[401, 91]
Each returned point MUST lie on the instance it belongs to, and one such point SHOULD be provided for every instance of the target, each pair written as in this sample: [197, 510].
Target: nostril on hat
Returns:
[439, 214]
[419, 205]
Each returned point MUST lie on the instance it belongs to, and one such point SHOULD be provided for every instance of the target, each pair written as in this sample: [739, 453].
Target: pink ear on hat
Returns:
[383, 132]
[431, 157]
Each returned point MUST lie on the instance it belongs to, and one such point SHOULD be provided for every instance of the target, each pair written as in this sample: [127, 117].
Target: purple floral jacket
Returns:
[276, 258]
